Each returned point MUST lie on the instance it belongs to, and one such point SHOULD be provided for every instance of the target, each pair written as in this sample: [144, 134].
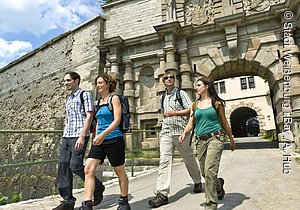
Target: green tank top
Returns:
[206, 121]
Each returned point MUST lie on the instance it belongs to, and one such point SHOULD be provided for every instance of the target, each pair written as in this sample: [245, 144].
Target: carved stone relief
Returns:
[258, 5]
[198, 14]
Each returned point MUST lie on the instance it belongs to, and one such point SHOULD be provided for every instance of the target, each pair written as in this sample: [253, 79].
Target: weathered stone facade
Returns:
[138, 41]
[33, 97]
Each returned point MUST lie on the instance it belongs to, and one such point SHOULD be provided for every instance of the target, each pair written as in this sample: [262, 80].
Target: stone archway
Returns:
[253, 57]
[249, 106]
[239, 120]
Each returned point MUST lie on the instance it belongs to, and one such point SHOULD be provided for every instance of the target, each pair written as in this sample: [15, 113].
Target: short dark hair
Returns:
[110, 80]
[74, 75]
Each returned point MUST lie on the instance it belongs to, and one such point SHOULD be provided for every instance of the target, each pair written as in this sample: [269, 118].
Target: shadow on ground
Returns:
[111, 200]
[232, 200]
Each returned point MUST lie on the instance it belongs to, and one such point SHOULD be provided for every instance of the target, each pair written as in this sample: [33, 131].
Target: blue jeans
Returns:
[71, 161]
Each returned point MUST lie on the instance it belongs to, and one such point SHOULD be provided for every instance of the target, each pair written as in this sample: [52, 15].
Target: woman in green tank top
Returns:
[208, 120]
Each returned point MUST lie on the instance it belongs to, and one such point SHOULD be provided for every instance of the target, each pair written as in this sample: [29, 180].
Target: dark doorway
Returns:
[244, 122]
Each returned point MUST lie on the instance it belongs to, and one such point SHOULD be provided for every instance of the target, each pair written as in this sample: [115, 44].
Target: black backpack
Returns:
[177, 98]
[94, 120]
[125, 116]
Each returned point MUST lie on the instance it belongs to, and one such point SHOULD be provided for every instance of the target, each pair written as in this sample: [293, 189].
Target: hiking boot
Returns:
[65, 206]
[159, 200]
[86, 205]
[221, 192]
[198, 188]
[98, 195]
[123, 204]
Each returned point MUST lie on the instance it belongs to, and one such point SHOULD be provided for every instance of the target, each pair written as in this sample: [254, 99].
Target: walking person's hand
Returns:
[79, 143]
[181, 138]
[98, 139]
[169, 113]
[232, 145]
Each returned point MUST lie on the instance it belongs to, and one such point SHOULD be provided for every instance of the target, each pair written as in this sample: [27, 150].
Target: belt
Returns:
[208, 136]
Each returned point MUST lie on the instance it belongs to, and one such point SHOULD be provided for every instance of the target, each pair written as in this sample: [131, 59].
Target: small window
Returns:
[243, 83]
[150, 125]
[251, 82]
[216, 87]
[222, 87]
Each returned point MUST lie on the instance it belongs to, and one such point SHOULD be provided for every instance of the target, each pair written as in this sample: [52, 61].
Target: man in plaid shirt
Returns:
[74, 142]
[174, 122]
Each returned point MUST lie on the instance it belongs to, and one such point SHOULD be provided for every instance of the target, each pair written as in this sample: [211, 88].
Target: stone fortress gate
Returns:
[137, 41]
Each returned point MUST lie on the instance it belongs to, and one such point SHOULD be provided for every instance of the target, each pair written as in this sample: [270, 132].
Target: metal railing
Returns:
[29, 132]
[133, 134]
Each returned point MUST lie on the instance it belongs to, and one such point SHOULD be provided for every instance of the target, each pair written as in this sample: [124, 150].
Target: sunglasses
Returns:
[169, 77]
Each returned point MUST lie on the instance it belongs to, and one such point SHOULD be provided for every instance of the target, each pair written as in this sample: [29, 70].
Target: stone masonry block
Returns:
[261, 54]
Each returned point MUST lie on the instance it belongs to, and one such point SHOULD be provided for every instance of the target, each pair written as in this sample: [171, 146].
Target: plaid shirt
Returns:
[75, 115]
[175, 125]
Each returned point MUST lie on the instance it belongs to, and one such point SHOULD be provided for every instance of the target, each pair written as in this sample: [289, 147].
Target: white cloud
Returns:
[40, 16]
[10, 50]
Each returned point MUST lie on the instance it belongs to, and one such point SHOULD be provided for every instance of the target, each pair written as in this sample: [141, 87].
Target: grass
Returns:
[3, 199]
[270, 135]
[16, 197]
[143, 154]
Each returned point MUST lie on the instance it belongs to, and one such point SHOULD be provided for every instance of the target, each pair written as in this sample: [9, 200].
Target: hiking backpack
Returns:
[94, 120]
[177, 98]
[125, 116]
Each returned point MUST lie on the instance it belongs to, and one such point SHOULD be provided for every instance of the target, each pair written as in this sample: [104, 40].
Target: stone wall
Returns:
[131, 18]
[32, 96]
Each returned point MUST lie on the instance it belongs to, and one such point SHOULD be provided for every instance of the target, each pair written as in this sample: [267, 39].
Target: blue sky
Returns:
[27, 24]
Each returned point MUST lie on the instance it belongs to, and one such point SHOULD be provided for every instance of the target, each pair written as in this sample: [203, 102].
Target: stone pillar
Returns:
[186, 73]
[288, 95]
[112, 47]
[129, 89]
[160, 87]
[137, 89]
[107, 69]
[169, 49]
[295, 90]
[114, 62]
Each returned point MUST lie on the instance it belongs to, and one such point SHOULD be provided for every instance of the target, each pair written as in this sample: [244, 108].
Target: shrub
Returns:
[16, 197]
[3, 199]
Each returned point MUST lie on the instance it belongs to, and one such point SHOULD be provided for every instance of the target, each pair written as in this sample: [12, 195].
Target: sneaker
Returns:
[98, 195]
[123, 204]
[198, 188]
[221, 193]
[86, 205]
[65, 206]
[159, 200]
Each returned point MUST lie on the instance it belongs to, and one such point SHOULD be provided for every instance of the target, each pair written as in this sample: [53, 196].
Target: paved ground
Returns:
[253, 180]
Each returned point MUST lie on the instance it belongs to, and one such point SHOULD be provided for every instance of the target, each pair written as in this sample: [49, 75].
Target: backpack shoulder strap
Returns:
[109, 101]
[97, 105]
[162, 101]
[178, 97]
[81, 99]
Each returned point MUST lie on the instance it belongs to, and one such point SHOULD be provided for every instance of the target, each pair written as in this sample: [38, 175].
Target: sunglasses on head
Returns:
[169, 77]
